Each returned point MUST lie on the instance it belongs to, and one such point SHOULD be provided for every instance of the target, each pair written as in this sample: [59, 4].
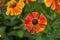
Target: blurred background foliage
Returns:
[12, 27]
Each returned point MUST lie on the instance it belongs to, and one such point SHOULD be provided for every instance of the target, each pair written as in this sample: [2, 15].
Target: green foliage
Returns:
[12, 27]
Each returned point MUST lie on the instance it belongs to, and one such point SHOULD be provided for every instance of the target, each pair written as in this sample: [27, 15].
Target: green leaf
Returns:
[2, 30]
[20, 33]
[12, 33]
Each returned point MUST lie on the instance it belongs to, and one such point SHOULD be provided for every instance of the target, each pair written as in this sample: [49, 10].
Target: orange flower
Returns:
[35, 23]
[1, 3]
[15, 8]
[55, 4]
[28, 1]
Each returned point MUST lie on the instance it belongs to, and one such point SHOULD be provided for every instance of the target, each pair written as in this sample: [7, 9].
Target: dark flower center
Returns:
[34, 21]
[13, 5]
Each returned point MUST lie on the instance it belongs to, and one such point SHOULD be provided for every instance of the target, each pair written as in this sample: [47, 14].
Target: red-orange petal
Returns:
[29, 17]
[17, 9]
[53, 5]
[58, 9]
[39, 29]
[42, 19]
[32, 31]
[42, 26]
[26, 22]
[28, 25]
[14, 12]
[58, 2]
[35, 14]
[29, 28]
